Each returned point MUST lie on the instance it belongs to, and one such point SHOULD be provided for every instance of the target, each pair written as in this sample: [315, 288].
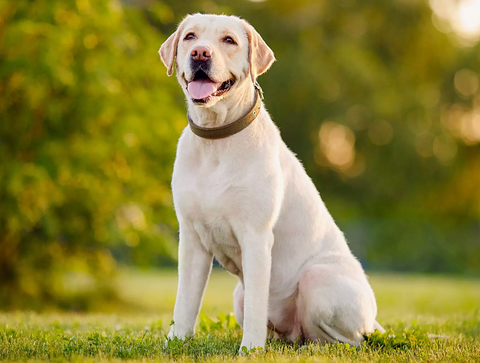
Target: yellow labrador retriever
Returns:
[242, 196]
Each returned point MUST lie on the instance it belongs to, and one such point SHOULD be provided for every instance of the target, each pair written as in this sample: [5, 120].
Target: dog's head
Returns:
[215, 55]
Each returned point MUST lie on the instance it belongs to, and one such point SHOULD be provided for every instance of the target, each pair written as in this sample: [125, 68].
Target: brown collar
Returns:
[231, 128]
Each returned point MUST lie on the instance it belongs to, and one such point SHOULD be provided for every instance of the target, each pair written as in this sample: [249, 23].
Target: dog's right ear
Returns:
[168, 50]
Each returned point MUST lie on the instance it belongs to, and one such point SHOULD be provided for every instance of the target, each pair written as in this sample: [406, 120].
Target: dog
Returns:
[242, 196]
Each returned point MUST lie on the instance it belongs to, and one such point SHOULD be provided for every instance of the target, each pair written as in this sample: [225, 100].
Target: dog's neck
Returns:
[226, 110]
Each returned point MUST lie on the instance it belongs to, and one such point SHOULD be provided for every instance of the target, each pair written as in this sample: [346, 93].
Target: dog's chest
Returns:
[208, 196]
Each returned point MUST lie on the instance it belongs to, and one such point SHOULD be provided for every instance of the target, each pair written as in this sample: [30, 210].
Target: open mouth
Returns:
[202, 89]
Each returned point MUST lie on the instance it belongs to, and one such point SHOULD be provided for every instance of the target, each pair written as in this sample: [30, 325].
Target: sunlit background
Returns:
[380, 100]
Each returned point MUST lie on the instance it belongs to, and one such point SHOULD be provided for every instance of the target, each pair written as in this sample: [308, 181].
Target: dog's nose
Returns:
[201, 53]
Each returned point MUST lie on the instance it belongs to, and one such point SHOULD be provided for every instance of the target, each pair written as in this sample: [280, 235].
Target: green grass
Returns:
[411, 307]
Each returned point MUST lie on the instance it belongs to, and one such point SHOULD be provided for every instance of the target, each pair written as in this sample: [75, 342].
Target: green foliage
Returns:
[224, 321]
[87, 139]
[380, 106]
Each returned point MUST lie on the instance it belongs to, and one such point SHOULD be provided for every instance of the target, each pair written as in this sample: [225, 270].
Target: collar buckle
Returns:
[259, 89]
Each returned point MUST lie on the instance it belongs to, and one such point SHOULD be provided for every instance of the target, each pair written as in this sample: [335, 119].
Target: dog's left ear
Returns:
[168, 50]
[260, 55]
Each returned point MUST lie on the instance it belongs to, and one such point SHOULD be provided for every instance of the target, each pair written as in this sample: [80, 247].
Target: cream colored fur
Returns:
[247, 200]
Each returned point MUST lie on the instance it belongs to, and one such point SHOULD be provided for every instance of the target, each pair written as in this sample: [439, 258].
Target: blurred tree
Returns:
[88, 129]
[379, 100]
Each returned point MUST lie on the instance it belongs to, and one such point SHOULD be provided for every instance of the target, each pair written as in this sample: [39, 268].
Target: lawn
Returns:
[429, 318]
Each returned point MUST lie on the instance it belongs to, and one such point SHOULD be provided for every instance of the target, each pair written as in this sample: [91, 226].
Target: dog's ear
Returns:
[260, 55]
[168, 50]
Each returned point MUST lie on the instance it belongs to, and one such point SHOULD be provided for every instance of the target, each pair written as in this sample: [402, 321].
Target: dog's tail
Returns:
[333, 336]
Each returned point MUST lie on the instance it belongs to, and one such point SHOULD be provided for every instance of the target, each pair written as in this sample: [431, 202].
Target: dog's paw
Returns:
[174, 338]
[174, 343]
[169, 341]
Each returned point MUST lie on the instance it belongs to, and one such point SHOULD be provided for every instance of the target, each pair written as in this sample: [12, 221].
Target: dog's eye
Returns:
[189, 36]
[229, 40]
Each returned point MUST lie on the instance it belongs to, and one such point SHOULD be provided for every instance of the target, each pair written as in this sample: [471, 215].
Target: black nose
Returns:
[201, 53]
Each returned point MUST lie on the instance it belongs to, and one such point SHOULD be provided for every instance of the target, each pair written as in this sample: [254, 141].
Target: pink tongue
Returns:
[201, 88]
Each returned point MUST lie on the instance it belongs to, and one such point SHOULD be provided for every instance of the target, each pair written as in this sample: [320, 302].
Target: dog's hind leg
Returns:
[336, 305]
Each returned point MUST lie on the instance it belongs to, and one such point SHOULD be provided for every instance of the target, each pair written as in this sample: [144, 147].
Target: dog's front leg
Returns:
[256, 265]
[194, 266]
